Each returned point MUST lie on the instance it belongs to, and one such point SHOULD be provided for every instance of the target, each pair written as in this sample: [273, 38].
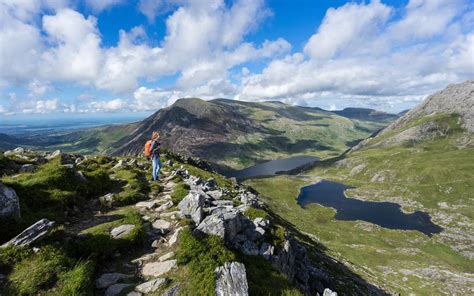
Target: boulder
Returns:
[151, 286]
[19, 150]
[225, 225]
[107, 199]
[215, 194]
[231, 280]
[266, 250]
[191, 206]
[162, 226]
[329, 292]
[261, 222]
[167, 205]
[249, 248]
[26, 168]
[31, 234]
[156, 269]
[122, 230]
[9, 202]
[116, 289]
[53, 154]
[108, 279]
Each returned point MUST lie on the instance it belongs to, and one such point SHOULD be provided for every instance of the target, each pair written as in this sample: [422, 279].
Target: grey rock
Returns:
[165, 206]
[122, 230]
[166, 256]
[53, 154]
[147, 204]
[119, 164]
[134, 293]
[27, 168]
[174, 237]
[32, 234]
[108, 279]
[19, 150]
[225, 225]
[192, 206]
[266, 250]
[173, 291]
[151, 286]
[210, 184]
[9, 203]
[231, 280]
[261, 222]
[80, 175]
[215, 194]
[116, 289]
[162, 226]
[156, 269]
[329, 292]
[107, 199]
[249, 248]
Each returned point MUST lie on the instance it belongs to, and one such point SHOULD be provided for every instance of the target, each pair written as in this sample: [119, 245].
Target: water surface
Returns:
[385, 214]
[272, 167]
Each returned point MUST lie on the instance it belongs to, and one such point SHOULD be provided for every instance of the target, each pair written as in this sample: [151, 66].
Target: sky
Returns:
[70, 57]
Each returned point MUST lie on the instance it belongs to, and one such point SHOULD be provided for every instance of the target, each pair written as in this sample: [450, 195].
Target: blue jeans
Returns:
[156, 167]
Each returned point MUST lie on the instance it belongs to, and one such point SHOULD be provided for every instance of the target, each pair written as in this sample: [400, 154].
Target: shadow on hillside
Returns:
[341, 278]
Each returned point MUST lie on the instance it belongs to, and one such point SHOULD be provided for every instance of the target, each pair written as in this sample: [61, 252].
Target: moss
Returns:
[253, 213]
[201, 256]
[179, 192]
[134, 189]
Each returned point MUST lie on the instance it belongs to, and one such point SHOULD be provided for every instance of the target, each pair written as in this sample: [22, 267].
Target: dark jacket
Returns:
[155, 149]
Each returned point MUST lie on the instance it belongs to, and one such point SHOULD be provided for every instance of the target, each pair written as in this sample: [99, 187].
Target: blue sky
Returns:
[114, 56]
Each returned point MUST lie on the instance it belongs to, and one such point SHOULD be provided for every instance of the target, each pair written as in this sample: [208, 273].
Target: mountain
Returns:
[237, 134]
[77, 225]
[9, 142]
[367, 114]
[422, 163]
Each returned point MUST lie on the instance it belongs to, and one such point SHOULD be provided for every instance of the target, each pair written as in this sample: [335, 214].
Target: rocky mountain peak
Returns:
[456, 98]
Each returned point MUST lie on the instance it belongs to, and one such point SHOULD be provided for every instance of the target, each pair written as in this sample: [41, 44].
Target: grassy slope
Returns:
[294, 130]
[434, 176]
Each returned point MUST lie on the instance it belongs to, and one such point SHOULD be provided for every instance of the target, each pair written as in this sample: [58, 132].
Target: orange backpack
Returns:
[147, 148]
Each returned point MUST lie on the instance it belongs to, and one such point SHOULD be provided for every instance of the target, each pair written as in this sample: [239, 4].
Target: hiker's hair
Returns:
[155, 135]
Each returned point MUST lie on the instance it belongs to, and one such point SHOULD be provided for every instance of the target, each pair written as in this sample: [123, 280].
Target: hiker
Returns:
[152, 150]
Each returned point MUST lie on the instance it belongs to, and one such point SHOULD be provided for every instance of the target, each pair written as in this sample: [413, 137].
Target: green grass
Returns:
[253, 213]
[201, 256]
[134, 188]
[179, 192]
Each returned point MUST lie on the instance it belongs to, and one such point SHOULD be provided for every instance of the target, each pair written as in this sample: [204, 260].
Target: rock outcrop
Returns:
[231, 280]
[32, 234]
[9, 203]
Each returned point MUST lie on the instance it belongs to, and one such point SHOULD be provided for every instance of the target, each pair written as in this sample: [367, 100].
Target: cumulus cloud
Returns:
[382, 61]
[99, 5]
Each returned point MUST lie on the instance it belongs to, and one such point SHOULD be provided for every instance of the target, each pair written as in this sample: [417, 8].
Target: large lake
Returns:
[272, 167]
[385, 214]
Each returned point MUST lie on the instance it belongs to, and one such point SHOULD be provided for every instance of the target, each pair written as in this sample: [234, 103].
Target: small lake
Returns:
[272, 167]
[385, 214]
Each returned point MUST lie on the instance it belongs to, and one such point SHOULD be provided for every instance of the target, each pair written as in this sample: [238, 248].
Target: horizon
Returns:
[121, 57]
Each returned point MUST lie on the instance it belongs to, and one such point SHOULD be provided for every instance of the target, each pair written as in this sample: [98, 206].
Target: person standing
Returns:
[155, 147]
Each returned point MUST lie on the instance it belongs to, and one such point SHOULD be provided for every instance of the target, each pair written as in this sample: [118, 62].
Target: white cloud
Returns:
[99, 5]
[107, 106]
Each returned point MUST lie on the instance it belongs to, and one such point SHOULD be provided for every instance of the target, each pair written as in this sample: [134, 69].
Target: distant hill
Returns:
[238, 134]
[9, 142]
[367, 114]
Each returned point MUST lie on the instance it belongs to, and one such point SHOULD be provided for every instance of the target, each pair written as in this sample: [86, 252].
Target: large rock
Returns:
[31, 234]
[122, 230]
[9, 202]
[151, 286]
[191, 206]
[173, 291]
[108, 279]
[329, 292]
[225, 225]
[27, 168]
[231, 279]
[174, 237]
[162, 226]
[156, 269]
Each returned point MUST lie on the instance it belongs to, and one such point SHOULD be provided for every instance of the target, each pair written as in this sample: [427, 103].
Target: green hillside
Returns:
[424, 162]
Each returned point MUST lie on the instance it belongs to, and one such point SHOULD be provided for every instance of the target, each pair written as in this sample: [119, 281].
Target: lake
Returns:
[385, 214]
[271, 168]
